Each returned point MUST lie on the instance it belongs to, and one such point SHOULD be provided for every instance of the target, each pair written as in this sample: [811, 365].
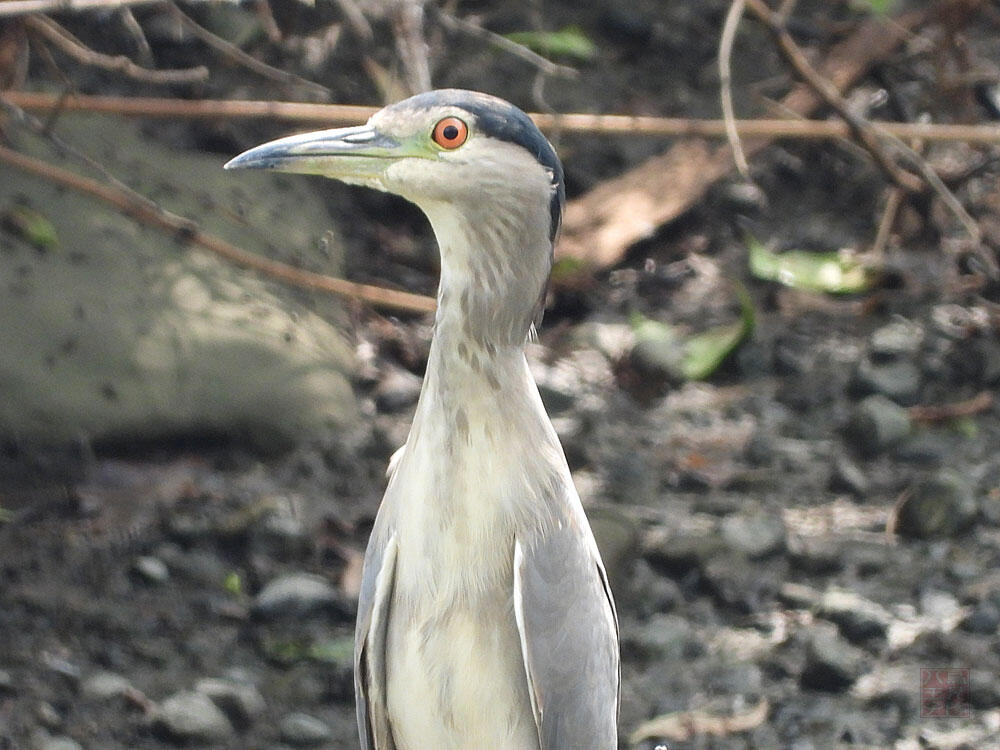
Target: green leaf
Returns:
[878, 7]
[569, 43]
[6, 515]
[233, 584]
[31, 226]
[836, 273]
[704, 352]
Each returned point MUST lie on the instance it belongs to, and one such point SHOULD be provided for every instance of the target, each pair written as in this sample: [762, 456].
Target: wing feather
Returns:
[370, 643]
[569, 638]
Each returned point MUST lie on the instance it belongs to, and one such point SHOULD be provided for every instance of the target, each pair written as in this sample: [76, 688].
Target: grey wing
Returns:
[569, 638]
[374, 600]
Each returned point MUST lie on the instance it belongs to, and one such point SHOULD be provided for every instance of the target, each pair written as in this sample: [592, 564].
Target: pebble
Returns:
[667, 637]
[151, 569]
[241, 702]
[898, 380]
[900, 338]
[831, 663]
[191, 717]
[941, 505]
[105, 685]
[7, 684]
[41, 740]
[756, 536]
[984, 618]
[859, 619]
[280, 533]
[847, 476]
[297, 595]
[302, 730]
[877, 424]
[398, 390]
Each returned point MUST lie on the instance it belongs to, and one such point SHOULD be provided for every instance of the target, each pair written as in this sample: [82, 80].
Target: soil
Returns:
[803, 555]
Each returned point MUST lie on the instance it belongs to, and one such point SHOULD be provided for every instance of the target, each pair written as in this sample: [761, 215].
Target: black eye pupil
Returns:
[450, 132]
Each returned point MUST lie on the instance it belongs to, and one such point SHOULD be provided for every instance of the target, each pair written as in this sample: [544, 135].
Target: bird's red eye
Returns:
[450, 133]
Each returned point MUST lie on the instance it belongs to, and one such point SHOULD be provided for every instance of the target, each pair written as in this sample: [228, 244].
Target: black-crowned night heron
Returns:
[485, 620]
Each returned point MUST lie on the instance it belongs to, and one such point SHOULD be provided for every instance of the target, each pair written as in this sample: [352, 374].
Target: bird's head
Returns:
[447, 146]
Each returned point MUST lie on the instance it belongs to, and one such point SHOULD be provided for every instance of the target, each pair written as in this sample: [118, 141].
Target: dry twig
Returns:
[981, 402]
[186, 231]
[10, 8]
[242, 58]
[726, 40]
[629, 125]
[70, 45]
[544, 65]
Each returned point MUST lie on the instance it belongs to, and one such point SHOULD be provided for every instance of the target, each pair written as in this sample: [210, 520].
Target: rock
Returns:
[297, 595]
[744, 587]
[663, 637]
[612, 340]
[101, 686]
[191, 717]
[649, 592]
[7, 684]
[241, 702]
[847, 476]
[898, 380]
[943, 504]
[900, 338]
[124, 334]
[877, 424]
[756, 536]
[658, 350]
[280, 533]
[398, 390]
[984, 618]
[302, 730]
[859, 619]
[831, 664]
[798, 595]
[151, 569]
[41, 740]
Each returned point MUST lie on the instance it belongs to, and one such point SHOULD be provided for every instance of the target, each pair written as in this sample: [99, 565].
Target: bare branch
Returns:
[627, 125]
[726, 40]
[70, 45]
[454, 23]
[239, 56]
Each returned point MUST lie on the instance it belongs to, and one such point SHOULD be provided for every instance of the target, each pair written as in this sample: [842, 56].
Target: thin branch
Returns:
[187, 231]
[726, 40]
[249, 62]
[981, 402]
[9, 8]
[454, 23]
[860, 128]
[76, 49]
[629, 125]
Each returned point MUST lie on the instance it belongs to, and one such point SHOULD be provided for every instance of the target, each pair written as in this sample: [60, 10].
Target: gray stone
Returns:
[798, 595]
[58, 742]
[302, 730]
[191, 717]
[900, 338]
[104, 685]
[984, 618]
[847, 476]
[943, 504]
[898, 380]
[666, 637]
[280, 533]
[658, 350]
[831, 664]
[397, 390]
[757, 535]
[124, 332]
[151, 569]
[877, 424]
[297, 595]
[240, 701]
[7, 683]
[859, 619]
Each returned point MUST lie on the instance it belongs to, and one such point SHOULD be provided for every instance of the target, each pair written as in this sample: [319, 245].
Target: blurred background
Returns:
[776, 387]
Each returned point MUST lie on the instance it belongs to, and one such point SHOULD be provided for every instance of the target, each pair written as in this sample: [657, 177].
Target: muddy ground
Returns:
[803, 555]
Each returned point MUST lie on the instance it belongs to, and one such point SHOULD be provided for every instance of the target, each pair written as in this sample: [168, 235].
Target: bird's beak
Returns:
[357, 154]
